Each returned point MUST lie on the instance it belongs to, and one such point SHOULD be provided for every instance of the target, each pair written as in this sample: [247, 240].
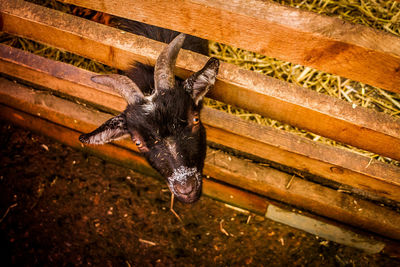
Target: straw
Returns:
[382, 15]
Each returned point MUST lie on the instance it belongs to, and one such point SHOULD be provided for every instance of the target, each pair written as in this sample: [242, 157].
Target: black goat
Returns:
[163, 113]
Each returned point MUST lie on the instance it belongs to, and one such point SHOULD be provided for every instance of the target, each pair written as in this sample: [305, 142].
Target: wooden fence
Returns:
[352, 51]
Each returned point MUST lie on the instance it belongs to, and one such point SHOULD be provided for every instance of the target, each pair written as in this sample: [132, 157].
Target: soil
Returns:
[61, 207]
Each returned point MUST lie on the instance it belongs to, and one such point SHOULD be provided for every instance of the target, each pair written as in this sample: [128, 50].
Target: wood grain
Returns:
[265, 142]
[295, 105]
[325, 43]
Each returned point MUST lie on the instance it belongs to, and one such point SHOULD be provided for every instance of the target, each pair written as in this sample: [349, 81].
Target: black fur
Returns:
[191, 43]
[165, 124]
[173, 115]
[142, 74]
[171, 119]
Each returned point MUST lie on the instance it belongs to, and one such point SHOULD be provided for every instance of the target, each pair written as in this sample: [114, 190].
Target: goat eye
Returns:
[196, 120]
[138, 143]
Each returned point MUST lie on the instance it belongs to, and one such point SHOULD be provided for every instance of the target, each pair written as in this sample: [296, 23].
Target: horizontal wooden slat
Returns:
[293, 190]
[244, 174]
[306, 222]
[295, 105]
[284, 148]
[325, 43]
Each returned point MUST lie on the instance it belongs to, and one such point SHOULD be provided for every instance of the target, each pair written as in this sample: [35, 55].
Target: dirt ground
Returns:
[60, 207]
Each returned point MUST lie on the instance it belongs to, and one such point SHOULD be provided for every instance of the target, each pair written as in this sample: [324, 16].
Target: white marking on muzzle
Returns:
[180, 176]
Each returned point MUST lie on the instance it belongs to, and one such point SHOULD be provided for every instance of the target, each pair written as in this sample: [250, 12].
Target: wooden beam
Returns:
[287, 149]
[265, 142]
[295, 105]
[229, 169]
[293, 190]
[325, 43]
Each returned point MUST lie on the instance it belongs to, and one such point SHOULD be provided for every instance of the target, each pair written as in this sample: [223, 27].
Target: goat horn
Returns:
[164, 70]
[122, 85]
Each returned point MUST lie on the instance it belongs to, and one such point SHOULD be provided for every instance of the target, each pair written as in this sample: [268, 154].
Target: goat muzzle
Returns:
[186, 184]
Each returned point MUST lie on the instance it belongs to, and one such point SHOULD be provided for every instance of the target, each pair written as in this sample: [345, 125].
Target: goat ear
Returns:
[200, 82]
[113, 129]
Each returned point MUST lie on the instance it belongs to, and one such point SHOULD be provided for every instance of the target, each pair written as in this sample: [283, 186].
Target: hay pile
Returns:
[382, 15]
[55, 54]
[379, 14]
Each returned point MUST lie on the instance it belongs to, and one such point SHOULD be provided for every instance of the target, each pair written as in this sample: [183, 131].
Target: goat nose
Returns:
[185, 188]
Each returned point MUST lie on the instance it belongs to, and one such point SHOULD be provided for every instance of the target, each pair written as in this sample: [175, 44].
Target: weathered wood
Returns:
[331, 231]
[336, 164]
[226, 168]
[234, 196]
[295, 105]
[284, 148]
[293, 190]
[325, 43]
[61, 77]
[70, 138]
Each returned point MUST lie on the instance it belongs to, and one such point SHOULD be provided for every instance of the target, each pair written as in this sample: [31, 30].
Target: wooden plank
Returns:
[284, 148]
[325, 43]
[312, 226]
[235, 196]
[326, 116]
[336, 164]
[240, 198]
[293, 190]
[61, 77]
[229, 169]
